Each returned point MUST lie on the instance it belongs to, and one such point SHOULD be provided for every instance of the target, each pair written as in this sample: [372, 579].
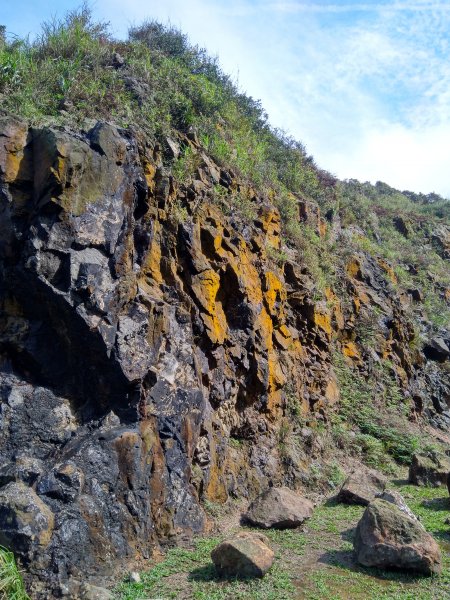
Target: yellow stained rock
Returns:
[350, 350]
[12, 145]
[332, 393]
[152, 263]
[354, 268]
[274, 291]
[205, 286]
[388, 270]
[269, 217]
[322, 319]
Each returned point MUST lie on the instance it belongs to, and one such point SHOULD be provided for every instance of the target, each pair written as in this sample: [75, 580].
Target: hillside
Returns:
[191, 309]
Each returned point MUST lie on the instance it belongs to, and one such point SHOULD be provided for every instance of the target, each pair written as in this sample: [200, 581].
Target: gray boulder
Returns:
[429, 469]
[395, 498]
[388, 538]
[246, 554]
[361, 487]
[279, 508]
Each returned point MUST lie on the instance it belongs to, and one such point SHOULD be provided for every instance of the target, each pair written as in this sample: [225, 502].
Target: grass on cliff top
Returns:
[166, 86]
[11, 583]
[314, 563]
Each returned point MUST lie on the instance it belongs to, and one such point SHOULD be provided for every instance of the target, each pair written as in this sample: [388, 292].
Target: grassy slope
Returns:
[313, 563]
[167, 87]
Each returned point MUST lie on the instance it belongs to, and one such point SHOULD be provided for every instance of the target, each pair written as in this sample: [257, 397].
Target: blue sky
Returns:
[364, 85]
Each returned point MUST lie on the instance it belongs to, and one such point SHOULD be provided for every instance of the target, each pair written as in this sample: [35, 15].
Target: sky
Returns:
[365, 86]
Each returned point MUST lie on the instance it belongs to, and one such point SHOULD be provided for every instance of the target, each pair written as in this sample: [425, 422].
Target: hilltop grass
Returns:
[11, 582]
[314, 563]
[167, 86]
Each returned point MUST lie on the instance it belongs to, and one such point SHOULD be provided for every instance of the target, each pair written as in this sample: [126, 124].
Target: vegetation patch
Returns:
[313, 563]
[11, 582]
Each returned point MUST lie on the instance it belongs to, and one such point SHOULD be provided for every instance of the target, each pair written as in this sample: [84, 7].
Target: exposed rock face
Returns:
[387, 538]
[361, 487]
[279, 508]
[429, 469]
[134, 343]
[244, 555]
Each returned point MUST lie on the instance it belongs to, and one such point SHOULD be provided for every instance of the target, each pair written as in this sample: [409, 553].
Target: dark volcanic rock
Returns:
[430, 469]
[279, 508]
[387, 538]
[361, 487]
[142, 327]
[132, 345]
[245, 554]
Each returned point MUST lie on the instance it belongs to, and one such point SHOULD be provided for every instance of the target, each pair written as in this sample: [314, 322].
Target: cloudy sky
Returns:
[364, 85]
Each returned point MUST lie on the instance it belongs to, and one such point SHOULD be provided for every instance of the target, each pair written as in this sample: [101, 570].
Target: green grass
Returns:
[11, 583]
[340, 579]
[311, 564]
[190, 574]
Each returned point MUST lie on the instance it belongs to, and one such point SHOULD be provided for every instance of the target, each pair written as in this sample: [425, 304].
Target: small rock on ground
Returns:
[361, 487]
[429, 468]
[279, 508]
[246, 554]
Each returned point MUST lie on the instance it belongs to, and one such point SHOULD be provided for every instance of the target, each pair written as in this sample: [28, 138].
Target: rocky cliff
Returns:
[155, 348]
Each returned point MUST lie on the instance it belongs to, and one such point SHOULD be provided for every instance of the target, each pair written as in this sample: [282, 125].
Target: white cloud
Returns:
[407, 159]
[366, 86]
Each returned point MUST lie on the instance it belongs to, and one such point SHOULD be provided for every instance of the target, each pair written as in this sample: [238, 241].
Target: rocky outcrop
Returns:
[279, 508]
[386, 537]
[429, 469]
[144, 325]
[244, 555]
[361, 487]
[133, 344]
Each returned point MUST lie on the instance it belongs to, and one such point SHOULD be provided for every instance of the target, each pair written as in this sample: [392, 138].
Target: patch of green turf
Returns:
[189, 574]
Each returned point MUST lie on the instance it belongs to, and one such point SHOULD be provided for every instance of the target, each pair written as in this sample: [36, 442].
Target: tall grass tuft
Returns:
[11, 582]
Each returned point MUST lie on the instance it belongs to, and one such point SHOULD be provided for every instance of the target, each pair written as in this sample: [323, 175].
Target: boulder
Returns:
[361, 487]
[395, 498]
[429, 469]
[279, 508]
[246, 554]
[386, 537]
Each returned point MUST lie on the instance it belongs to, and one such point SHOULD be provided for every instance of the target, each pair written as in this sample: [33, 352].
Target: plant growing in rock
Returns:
[11, 583]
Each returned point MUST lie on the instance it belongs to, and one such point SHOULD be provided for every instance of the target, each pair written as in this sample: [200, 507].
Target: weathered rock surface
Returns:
[133, 345]
[396, 498]
[361, 487]
[243, 555]
[279, 508]
[430, 469]
[141, 328]
[386, 537]
[26, 521]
